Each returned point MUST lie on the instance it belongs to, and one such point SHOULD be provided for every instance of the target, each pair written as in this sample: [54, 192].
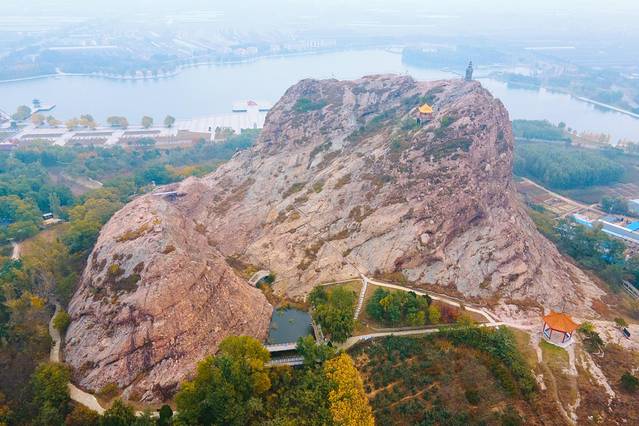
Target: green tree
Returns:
[169, 121]
[165, 416]
[82, 416]
[618, 205]
[22, 113]
[228, 388]
[117, 121]
[147, 121]
[50, 392]
[61, 321]
[434, 315]
[313, 353]
[51, 121]
[119, 414]
[87, 120]
[334, 311]
[629, 382]
[5, 316]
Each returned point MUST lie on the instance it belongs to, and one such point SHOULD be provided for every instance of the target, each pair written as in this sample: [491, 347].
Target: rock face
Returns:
[343, 180]
[155, 298]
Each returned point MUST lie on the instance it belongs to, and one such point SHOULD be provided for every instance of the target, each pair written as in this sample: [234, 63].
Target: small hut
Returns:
[563, 327]
[424, 113]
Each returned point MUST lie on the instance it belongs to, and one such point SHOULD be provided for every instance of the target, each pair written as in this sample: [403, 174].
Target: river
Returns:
[212, 89]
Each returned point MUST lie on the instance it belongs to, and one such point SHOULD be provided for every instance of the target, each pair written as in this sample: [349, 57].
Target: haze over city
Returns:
[329, 212]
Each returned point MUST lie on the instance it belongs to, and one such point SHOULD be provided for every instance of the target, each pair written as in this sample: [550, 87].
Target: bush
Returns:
[629, 382]
[61, 321]
[306, 105]
[472, 396]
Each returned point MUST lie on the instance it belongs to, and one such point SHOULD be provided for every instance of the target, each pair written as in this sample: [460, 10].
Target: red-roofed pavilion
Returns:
[562, 325]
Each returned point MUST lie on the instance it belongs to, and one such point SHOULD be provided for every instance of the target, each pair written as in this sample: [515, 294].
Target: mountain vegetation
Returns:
[563, 167]
[464, 375]
[51, 261]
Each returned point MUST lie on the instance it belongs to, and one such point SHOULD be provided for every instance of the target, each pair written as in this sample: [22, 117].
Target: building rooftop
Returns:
[560, 321]
[425, 109]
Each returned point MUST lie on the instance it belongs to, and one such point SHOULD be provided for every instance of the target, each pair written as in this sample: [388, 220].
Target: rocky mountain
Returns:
[342, 181]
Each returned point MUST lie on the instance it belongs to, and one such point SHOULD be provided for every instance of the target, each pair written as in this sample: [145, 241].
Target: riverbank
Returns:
[178, 69]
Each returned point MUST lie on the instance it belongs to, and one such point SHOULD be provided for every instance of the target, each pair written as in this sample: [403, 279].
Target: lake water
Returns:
[288, 325]
[208, 90]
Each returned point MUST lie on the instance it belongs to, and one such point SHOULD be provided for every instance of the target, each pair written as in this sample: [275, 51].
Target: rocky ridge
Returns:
[342, 181]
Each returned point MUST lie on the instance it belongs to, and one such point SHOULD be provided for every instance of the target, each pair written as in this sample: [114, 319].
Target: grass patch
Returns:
[307, 105]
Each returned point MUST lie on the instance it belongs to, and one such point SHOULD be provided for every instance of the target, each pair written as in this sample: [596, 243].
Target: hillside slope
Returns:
[342, 181]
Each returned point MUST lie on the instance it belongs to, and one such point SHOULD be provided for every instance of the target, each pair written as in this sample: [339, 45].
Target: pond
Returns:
[288, 325]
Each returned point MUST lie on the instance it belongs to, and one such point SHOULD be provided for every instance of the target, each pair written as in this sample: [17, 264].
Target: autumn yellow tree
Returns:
[348, 402]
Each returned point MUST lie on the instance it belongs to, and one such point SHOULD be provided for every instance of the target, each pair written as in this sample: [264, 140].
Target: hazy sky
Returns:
[542, 19]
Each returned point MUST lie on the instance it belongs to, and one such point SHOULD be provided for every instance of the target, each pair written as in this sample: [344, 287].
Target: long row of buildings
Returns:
[614, 226]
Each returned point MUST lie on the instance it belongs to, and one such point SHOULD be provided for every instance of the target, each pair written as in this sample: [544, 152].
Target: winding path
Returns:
[76, 394]
[15, 254]
[351, 341]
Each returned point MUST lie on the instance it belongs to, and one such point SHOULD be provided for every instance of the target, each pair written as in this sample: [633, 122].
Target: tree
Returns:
[61, 321]
[147, 121]
[22, 113]
[50, 392]
[82, 416]
[117, 121]
[434, 315]
[37, 119]
[313, 353]
[334, 311]
[621, 323]
[119, 414]
[348, 402]
[5, 316]
[169, 121]
[51, 121]
[618, 205]
[87, 120]
[165, 415]
[72, 123]
[228, 388]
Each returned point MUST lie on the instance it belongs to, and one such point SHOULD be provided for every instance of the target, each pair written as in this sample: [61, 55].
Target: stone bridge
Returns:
[258, 276]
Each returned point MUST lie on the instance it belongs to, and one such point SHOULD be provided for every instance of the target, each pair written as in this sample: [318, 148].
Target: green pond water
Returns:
[288, 325]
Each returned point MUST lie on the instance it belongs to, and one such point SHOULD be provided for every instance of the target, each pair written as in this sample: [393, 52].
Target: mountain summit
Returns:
[346, 178]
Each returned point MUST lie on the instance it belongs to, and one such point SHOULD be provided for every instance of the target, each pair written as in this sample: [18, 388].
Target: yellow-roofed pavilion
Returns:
[425, 109]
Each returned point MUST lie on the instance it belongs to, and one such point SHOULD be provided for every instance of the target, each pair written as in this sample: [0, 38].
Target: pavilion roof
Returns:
[560, 322]
[426, 109]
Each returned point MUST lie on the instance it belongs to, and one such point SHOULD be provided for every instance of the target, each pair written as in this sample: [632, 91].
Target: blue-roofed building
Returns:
[582, 220]
[634, 226]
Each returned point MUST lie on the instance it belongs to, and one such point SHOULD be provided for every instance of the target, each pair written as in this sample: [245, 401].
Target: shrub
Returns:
[629, 382]
[61, 321]
[472, 396]
[307, 105]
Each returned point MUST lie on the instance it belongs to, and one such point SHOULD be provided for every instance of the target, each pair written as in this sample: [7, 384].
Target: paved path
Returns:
[15, 255]
[77, 395]
[362, 293]
[355, 339]
[480, 311]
